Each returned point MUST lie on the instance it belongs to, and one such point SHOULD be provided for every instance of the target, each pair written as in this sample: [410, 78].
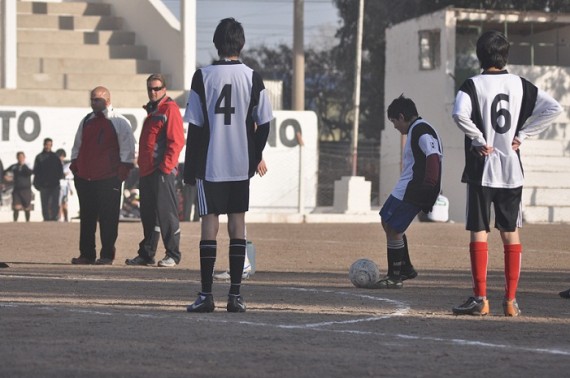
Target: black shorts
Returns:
[228, 197]
[22, 199]
[507, 205]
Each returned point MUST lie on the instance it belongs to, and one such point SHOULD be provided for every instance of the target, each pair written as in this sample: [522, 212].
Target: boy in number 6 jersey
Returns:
[497, 111]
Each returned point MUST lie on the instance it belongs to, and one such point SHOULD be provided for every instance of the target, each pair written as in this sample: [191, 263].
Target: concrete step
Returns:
[546, 164]
[546, 180]
[546, 214]
[132, 82]
[86, 52]
[545, 147]
[117, 37]
[90, 23]
[79, 98]
[67, 8]
[533, 196]
[88, 66]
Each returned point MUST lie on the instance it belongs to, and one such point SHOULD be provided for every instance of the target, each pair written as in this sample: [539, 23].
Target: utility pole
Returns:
[356, 98]
[298, 100]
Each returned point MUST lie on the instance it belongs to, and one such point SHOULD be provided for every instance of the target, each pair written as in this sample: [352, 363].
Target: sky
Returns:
[268, 22]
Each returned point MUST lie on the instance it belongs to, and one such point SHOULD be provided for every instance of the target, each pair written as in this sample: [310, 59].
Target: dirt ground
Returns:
[304, 317]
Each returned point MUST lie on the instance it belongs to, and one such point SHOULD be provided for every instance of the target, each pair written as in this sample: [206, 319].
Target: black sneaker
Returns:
[104, 261]
[388, 283]
[235, 303]
[565, 293]
[140, 261]
[408, 273]
[82, 261]
[204, 303]
[472, 306]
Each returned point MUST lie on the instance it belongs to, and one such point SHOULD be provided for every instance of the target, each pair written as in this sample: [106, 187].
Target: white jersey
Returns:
[492, 109]
[422, 141]
[227, 101]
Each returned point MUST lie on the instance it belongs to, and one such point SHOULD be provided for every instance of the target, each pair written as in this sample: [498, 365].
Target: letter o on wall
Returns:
[36, 123]
[283, 132]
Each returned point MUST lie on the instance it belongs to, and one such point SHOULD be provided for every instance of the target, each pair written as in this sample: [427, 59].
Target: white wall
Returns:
[433, 93]
[24, 128]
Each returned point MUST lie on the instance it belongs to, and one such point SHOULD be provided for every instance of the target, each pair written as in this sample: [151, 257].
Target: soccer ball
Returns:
[364, 273]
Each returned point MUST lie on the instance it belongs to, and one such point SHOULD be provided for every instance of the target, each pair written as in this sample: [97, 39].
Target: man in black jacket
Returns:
[48, 170]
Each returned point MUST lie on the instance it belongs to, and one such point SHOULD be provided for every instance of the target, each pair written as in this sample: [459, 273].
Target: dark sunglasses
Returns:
[154, 89]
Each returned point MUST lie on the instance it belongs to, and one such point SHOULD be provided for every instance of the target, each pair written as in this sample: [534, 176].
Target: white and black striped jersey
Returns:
[422, 141]
[492, 109]
[226, 102]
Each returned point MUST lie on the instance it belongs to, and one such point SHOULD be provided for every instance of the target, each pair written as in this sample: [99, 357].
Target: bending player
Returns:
[416, 190]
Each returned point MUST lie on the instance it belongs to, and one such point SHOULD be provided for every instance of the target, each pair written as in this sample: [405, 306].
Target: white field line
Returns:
[401, 308]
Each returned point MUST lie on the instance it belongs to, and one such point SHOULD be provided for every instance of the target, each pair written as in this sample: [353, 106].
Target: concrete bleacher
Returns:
[65, 49]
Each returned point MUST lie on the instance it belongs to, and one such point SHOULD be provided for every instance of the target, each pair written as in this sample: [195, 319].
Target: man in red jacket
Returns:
[161, 140]
[102, 155]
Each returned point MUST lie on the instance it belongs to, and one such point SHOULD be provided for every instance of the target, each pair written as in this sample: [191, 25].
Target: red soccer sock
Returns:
[479, 253]
[513, 257]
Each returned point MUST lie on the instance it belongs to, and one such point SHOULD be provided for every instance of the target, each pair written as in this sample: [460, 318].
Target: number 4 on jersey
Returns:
[227, 110]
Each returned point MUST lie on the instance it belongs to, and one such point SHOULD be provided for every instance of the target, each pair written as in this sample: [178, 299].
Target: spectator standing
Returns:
[496, 111]
[160, 143]
[101, 158]
[48, 170]
[65, 187]
[223, 151]
[21, 176]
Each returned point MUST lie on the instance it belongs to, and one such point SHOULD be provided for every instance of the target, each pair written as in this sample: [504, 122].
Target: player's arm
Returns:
[174, 140]
[260, 140]
[546, 110]
[433, 171]
[192, 148]
[431, 148]
[462, 111]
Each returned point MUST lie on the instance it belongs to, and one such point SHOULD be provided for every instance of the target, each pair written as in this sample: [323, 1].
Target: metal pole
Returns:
[357, 86]
[188, 29]
[298, 92]
[301, 197]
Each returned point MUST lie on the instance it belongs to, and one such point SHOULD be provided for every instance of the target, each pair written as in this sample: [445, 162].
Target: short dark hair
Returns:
[47, 140]
[61, 152]
[229, 37]
[157, 76]
[493, 50]
[404, 106]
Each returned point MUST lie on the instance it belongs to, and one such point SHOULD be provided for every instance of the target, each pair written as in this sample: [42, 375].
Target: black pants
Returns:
[98, 201]
[159, 215]
[50, 203]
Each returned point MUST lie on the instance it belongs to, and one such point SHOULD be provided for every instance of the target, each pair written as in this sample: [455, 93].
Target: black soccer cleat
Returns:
[408, 273]
[472, 306]
[388, 282]
[204, 303]
[235, 303]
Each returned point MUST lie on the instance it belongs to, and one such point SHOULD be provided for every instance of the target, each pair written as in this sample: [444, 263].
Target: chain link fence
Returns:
[335, 162]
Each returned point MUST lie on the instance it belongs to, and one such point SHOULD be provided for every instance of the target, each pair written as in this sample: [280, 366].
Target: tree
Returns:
[380, 14]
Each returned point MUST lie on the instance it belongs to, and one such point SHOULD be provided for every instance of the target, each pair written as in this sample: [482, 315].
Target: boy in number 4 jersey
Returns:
[497, 111]
[228, 115]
